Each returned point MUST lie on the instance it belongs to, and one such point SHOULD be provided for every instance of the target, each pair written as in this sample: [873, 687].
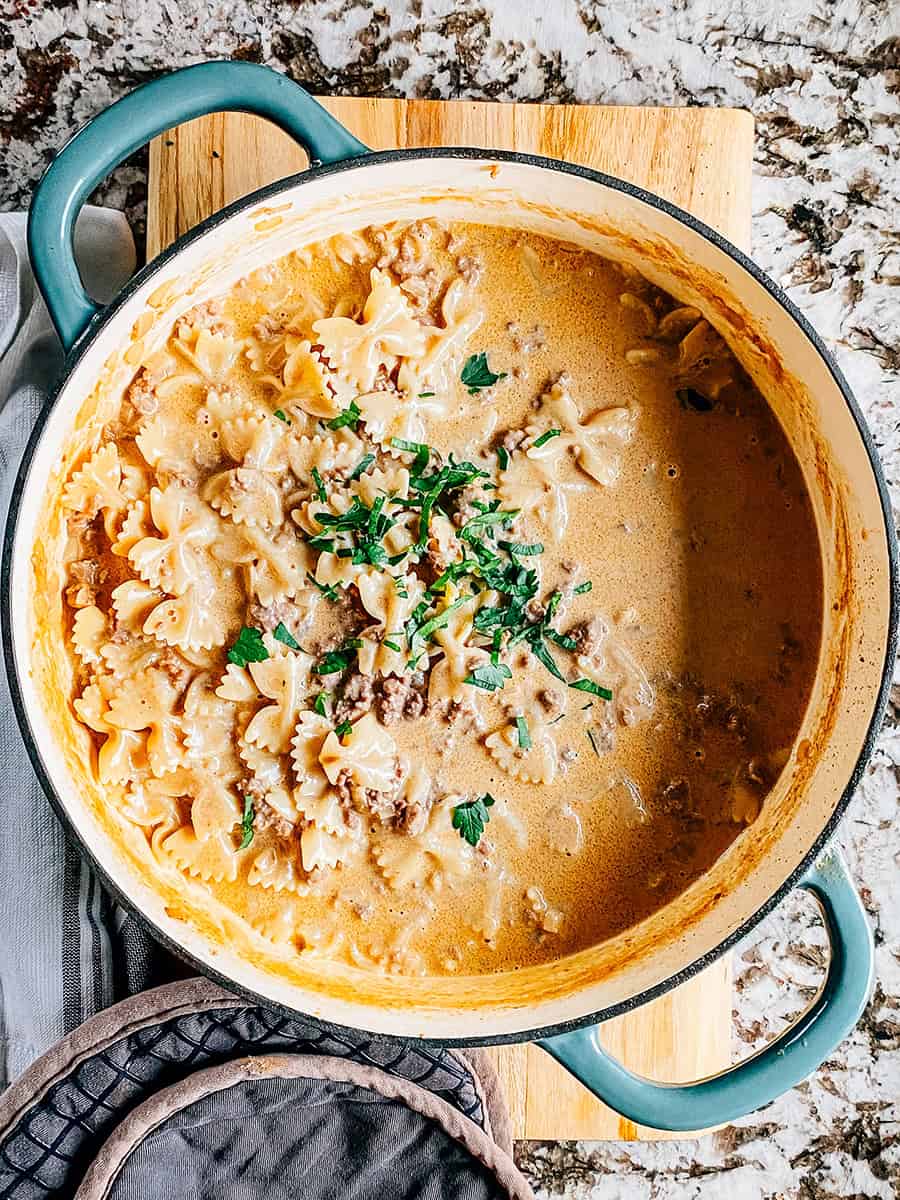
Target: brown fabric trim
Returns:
[151, 1114]
[101, 1030]
[487, 1082]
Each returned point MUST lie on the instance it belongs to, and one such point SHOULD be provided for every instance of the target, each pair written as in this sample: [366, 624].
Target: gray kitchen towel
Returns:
[66, 951]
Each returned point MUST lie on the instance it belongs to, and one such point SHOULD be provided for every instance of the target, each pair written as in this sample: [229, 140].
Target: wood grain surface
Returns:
[700, 159]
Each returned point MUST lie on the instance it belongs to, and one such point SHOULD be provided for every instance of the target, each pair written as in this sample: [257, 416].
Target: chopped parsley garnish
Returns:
[248, 647]
[523, 735]
[281, 415]
[347, 417]
[319, 704]
[281, 633]
[336, 661]
[419, 449]
[582, 588]
[363, 465]
[471, 816]
[543, 655]
[486, 520]
[343, 729]
[489, 676]
[523, 549]
[328, 590]
[502, 457]
[439, 621]
[476, 374]
[561, 639]
[320, 486]
[390, 645]
[588, 685]
[425, 395]
[545, 437]
[247, 824]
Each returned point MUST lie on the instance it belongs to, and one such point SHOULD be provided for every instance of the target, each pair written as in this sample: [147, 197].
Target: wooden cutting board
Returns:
[699, 158]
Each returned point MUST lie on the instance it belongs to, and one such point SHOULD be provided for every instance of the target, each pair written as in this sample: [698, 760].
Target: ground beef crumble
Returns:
[401, 698]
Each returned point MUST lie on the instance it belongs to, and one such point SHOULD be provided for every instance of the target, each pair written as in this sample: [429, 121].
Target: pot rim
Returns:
[722, 244]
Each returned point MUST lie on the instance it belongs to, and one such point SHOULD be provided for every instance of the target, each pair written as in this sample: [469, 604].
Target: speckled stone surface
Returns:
[823, 82]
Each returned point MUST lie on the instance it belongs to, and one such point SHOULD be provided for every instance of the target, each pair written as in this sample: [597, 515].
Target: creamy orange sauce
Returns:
[703, 616]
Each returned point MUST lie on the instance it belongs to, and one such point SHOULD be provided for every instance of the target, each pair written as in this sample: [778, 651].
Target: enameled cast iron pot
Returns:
[347, 187]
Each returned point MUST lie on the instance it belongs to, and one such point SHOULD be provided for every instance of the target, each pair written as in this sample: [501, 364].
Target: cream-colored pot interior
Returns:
[819, 423]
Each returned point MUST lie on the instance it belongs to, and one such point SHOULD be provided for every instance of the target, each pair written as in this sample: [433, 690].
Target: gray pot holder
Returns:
[189, 1093]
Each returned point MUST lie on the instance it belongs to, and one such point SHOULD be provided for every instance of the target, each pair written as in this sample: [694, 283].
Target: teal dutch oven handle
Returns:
[124, 127]
[781, 1064]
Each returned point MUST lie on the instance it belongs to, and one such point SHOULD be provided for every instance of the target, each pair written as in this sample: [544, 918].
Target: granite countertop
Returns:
[822, 80]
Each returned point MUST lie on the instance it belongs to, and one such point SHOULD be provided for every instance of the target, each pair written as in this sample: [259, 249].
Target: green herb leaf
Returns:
[543, 655]
[247, 824]
[522, 548]
[322, 542]
[425, 395]
[343, 729]
[281, 416]
[489, 676]
[561, 639]
[476, 374]
[485, 520]
[471, 817]
[363, 465]
[419, 449]
[349, 416]
[440, 620]
[319, 704]
[523, 734]
[320, 486]
[582, 588]
[545, 437]
[588, 685]
[328, 590]
[502, 457]
[335, 661]
[248, 647]
[390, 645]
[281, 633]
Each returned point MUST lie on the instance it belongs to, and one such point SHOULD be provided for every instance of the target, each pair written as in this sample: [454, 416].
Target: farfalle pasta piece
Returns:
[135, 526]
[210, 729]
[358, 350]
[439, 366]
[596, 444]
[336, 453]
[275, 869]
[132, 602]
[436, 855]
[95, 488]
[246, 495]
[283, 678]
[534, 486]
[173, 561]
[276, 564]
[211, 354]
[607, 661]
[148, 703]
[89, 632]
[536, 764]
[189, 621]
[391, 602]
[368, 754]
[167, 450]
[213, 860]
[389, 414]
[324, 850]
[123, 755]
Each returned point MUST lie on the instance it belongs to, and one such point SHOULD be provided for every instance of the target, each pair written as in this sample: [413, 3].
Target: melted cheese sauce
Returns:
[705, 571]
